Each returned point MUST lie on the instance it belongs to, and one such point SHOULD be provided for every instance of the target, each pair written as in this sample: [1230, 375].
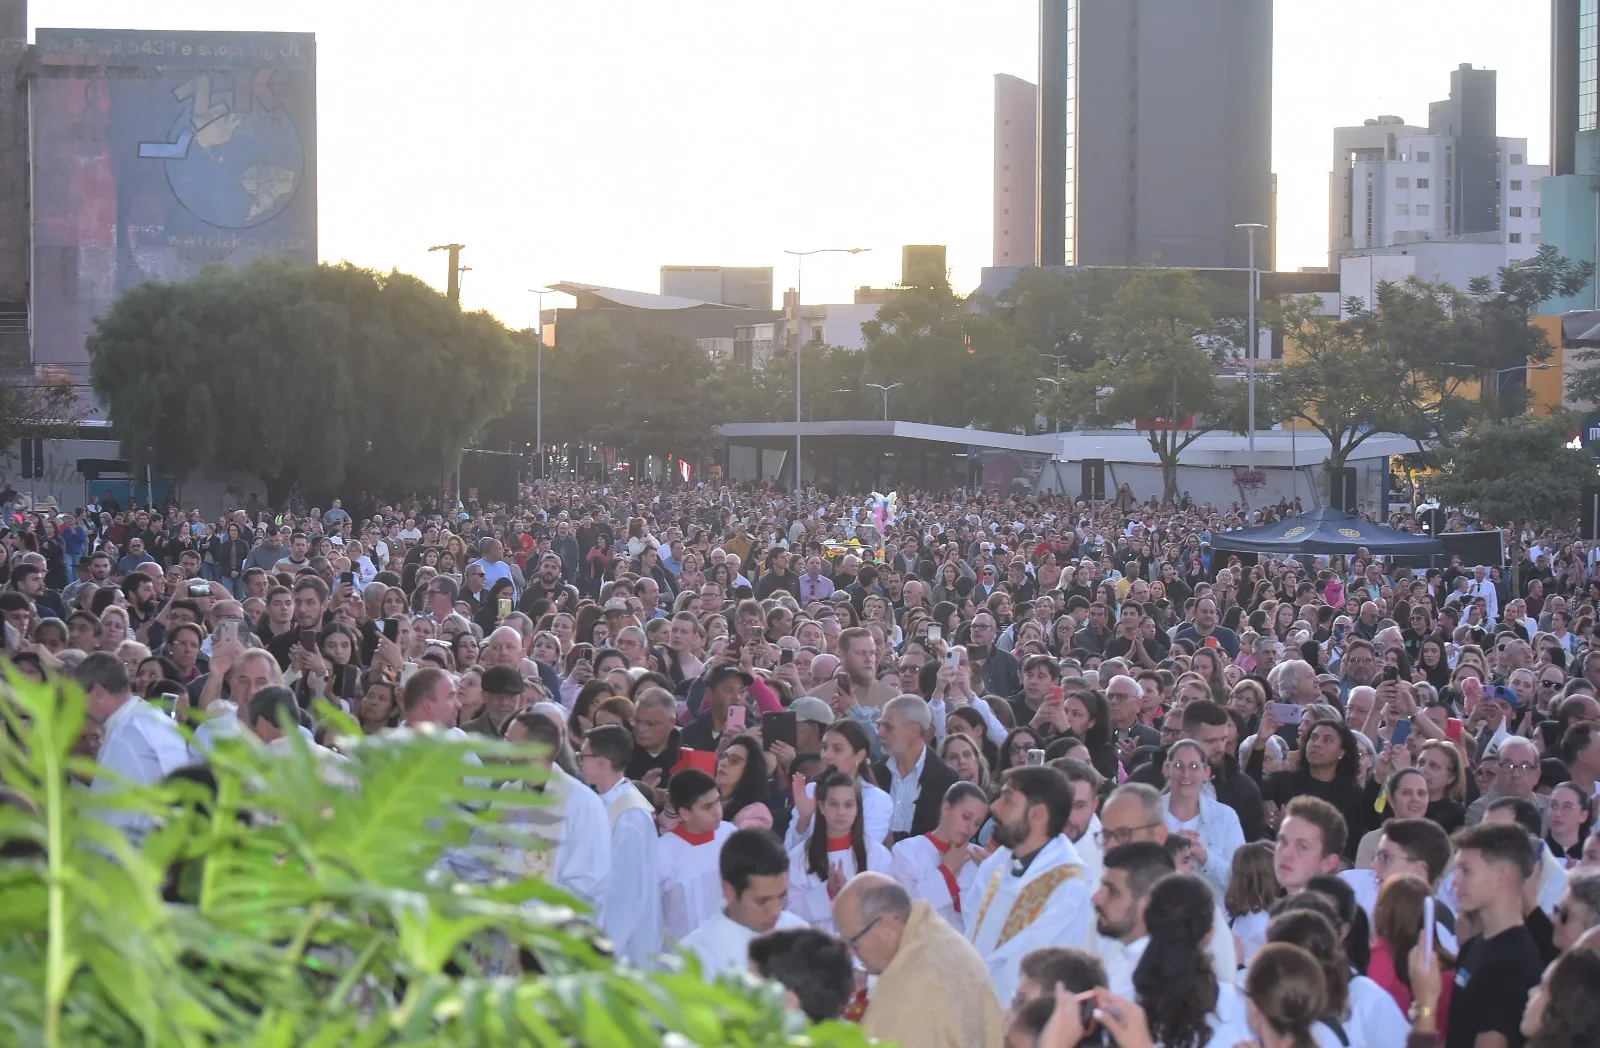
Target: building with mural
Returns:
[134, 155]
[154, 155]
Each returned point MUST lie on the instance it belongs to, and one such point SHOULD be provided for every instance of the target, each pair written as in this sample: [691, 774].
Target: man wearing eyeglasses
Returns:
[1135, 813]
[1519, 774]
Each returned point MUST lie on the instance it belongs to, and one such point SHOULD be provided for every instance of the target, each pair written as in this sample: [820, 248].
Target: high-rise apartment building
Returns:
[1155, 131]
[1016, 235]
[1373, 140]
[1471, 196]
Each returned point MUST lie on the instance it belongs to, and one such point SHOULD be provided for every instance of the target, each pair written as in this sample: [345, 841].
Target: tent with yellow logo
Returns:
[1324, 530]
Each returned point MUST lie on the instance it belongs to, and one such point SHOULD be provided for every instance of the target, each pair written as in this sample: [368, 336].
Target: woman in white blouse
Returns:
[822, 865]
[1212, 827]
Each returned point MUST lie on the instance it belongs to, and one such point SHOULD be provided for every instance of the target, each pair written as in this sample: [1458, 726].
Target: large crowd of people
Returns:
[969, 769]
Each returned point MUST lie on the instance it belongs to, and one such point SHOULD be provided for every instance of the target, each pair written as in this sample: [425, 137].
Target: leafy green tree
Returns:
[301, 375]
[662, 400]
[960, 366]
[1158, 367]
[1517, 469]
[298, 902]
[1346, 387]
[1447, 338]
[1060, 313]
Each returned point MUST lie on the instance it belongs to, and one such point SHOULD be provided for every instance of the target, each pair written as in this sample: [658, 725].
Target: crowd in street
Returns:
[972, 770]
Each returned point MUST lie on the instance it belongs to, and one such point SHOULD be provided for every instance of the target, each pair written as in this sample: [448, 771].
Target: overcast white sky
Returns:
[597, 141]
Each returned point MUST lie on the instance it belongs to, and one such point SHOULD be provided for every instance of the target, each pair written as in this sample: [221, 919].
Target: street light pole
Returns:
[885, 391]
[1057, 384]
[1250, 351]
[538, 378]
[799, 273]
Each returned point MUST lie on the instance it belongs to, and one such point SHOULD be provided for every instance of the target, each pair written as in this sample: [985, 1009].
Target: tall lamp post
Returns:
[885, 391]
[1250, 351]
[799, 272]
[1056, 383]
[538, 377]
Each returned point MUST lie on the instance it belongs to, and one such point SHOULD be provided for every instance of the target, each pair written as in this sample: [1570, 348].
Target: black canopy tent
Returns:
[1325, 530]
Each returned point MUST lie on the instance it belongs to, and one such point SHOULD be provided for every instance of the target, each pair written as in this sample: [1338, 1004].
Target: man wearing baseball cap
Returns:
[812, 717]
[724, 688]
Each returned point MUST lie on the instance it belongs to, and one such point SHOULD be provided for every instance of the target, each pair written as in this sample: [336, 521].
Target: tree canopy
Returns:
[961, 366]
[1517, 469]
[302, 375]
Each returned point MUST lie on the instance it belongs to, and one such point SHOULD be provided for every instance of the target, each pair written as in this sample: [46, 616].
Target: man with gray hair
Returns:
[1294, 680]
[1519, 774]
[933, 988]
[916, 777]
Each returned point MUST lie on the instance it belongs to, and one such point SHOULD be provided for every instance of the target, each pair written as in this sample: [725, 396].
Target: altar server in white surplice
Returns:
[938, 867]
[631, 914]
[686, 859]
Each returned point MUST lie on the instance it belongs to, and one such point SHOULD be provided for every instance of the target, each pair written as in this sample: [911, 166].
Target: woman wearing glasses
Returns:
[1211, 827]
[1569, 819]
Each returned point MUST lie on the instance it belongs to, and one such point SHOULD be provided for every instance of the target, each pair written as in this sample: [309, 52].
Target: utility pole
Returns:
[453, 281]
[1250, 351]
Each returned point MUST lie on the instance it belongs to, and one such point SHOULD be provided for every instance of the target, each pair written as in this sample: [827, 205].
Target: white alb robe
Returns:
[917, 863]
[690, 881]
[877, 808]
[631, 915]
[723, 945]
[808, 894]
[1008, 915]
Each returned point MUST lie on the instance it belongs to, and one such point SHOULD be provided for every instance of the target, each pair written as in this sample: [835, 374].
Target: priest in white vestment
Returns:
[1034, 890]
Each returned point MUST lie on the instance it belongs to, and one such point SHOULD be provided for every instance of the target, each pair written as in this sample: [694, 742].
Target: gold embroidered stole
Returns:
[1030, 902]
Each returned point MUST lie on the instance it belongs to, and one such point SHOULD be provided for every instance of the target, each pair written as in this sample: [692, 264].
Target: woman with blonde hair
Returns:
[113, 627]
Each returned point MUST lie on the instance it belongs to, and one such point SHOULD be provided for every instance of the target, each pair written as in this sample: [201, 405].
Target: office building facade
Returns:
[1016, 113]
[1571, 195]
[1155, 131]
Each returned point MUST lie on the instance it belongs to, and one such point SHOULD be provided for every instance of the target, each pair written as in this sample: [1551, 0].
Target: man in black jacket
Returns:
[912, 773]
[1207, 723]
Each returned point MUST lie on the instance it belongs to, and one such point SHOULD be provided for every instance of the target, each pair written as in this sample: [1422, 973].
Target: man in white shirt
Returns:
[631, 916]
[1480, 586]
[1134, 813]
[249, 672]
[1121, 936]
[755, 887]
[141, 745]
